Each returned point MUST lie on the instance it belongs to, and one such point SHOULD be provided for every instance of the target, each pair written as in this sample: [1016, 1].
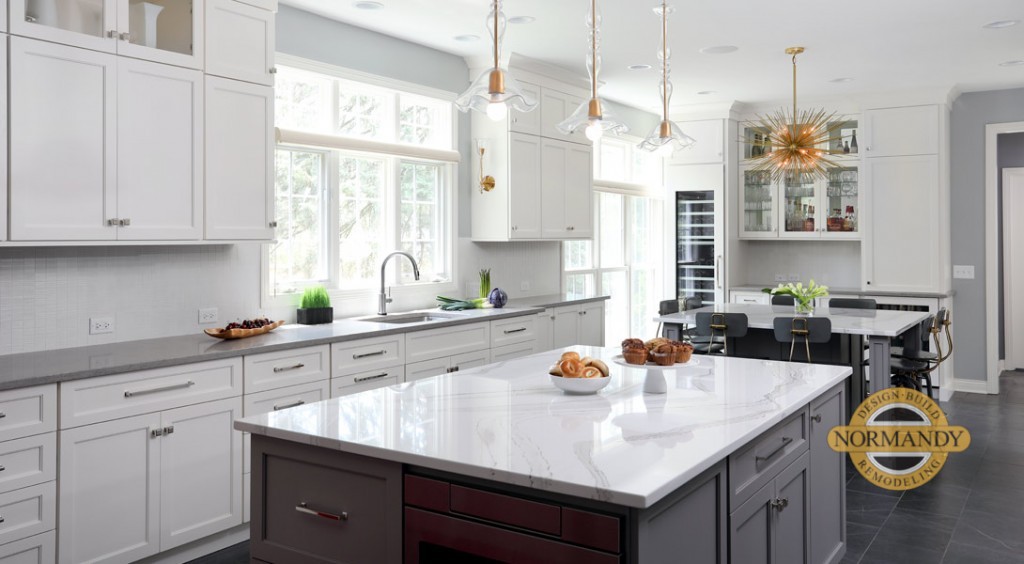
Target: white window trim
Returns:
[622, 187]
[356, 300]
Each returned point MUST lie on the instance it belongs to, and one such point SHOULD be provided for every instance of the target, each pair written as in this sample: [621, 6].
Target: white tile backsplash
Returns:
[835, 263]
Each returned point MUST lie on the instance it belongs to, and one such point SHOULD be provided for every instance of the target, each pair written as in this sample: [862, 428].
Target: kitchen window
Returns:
[623, 259]
[362, 169]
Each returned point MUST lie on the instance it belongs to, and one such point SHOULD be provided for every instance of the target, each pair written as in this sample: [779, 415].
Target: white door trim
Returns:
[1011, 329]
[992, 361]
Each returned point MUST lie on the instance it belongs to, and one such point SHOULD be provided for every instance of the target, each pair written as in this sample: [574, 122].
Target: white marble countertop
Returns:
[851, 291]
[879, 323]
[507, 422]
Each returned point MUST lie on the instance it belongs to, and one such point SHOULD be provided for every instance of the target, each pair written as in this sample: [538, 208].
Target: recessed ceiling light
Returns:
[707, 92]
[468, 37]
[1000, 24]
[521, 19]
[719, 49]
[1011, 64]
[369, 5]
[842, 79]
[639, 67]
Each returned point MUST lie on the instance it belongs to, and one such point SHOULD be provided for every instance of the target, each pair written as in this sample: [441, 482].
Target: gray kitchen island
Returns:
[496, 464]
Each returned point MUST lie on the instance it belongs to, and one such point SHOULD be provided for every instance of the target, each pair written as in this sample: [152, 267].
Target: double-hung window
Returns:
[363, 167]
[624, 258]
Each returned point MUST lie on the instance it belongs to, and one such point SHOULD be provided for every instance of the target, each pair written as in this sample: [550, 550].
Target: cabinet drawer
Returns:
[509, 352]
[286, 368]
[38, 549]
[447, 341]
[276, 400]
[515, 330]
[749, 298]
[427, 368]
[759, 461]
[28, 411]
[123, 395]
[367, 381]
[465, 361]
[353, 357]
[28, 511]
[28, 461]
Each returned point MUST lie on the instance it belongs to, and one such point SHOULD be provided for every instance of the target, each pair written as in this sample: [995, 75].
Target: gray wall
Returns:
[971, 112]
[1010, 154]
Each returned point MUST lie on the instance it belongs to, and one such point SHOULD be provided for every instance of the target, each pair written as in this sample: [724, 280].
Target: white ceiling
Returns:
[884, 45]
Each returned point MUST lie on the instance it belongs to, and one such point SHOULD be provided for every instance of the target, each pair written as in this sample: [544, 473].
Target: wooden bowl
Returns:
[220, 333]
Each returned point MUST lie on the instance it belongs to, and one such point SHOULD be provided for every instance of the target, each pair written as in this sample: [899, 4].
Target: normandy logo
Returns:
[899, 438]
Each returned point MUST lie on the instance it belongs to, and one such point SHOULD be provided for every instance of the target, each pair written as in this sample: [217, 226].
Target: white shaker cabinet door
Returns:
[109, 491]
[239, 160]
[591, 331]
[240, 41]
[3, 126]
[159, 151]
[554, 157]
[200, 471]
[524, 190]
[579, 189]
[62, 128]
[565, 327]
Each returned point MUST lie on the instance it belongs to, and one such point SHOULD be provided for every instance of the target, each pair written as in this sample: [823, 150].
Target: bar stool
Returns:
[852, 303]
[782, 300]
[806, 329]
[724, 325]
[915, 365]
[666, 307]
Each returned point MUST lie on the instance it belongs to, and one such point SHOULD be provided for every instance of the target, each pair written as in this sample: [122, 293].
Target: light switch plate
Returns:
[965, 271]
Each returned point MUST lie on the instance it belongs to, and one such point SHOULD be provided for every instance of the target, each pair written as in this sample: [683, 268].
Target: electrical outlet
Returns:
[524, 286]
[100, 325]
[207, 315]
[965, 271]
[794, 277]
[780, 277]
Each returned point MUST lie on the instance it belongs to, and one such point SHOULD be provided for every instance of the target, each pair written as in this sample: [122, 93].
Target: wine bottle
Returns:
[853, 142]
[846, 147]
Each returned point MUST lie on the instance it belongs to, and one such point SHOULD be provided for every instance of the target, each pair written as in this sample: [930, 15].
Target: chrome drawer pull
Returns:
[287, 368]
[510, 331]
[2, 415]
[364, 355]
[287, 405]
[367, 378]
[129, 393]
[2, 468]
[302, 508]
[2, 519]
[785, 443]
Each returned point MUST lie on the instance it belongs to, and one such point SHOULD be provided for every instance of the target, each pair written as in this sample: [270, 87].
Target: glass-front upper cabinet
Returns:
[165, 31]
[842, 198]
[800, 206]
[758, 208]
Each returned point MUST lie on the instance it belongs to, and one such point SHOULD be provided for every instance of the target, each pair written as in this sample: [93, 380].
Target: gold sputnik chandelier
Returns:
[793, 145]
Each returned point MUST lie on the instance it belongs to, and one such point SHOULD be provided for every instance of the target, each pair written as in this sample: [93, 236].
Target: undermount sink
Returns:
[419, 317]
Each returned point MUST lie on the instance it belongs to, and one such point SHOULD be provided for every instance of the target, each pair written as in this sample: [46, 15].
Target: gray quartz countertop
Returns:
[838, 290]
[554, 300]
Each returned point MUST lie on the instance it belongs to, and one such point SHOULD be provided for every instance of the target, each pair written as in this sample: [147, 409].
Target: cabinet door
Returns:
[792, 524]
[165, 31]
[759, 205]
[827, 475]
[465, 361]
[62, 140]
[109, 491]
[801, 217]
[239, 160]
[159, 151]
[240, 41]
[709, 147]
[427, 368]
[591, 331]
[555, 106]
[841, 202]
[903, 246]
[902, 131]
[565, 326]
[526, 122]
[83, 23]
[3, 127]
[579, 171]
[200, 471]
[545, 330]
[750, 529]
[524, 186]
[554, 158]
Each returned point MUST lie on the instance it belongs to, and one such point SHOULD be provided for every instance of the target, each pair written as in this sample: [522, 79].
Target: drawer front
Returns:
[465, 361]
[276, 400]
[447, 341]
[757, 463]
[427, 368]
[28, 461]
[354, 357]
[28, 511]
[367, 381]
[507, 510]
[37, 549]
[749, 298]
[515, 330]
[509, 352]
[28, 411]
[112, 397]
[286, 368]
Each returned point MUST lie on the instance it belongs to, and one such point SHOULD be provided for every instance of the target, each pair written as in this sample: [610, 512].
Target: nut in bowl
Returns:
[575, 375]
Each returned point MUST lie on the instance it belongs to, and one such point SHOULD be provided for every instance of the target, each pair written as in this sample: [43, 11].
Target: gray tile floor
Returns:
[971, 513]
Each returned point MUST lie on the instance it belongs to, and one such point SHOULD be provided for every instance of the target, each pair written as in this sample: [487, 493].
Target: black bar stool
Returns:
[782, 300]
[853, 303]
[666, 307]
[806, 329]
[915, 365]
[724, 325]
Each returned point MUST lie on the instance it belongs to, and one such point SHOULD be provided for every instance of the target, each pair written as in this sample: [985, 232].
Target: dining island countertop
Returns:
[868, 322]
[507, 423]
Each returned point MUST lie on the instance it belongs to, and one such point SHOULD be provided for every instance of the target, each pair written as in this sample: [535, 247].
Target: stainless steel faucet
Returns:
[384, 299]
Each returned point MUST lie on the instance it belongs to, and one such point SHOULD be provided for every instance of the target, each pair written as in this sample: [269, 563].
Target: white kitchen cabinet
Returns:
[526, 122]
[566, 190]
[524, 187]
[591, 329]
[276, 400]
[3, 127]
[446, 341]
[513, 330]
[240, 41]
[289, 367]
[517, 350]
[744, 297]
[580, 324]
[127, 135]
[759, 205]
[545, 330]
[28, 511]
[555, 107]
[165, 31]
[905, 131]
[708, 148]
[37, 549]
[447, 364]
[360, 382]
[239, 160]
[3, 16]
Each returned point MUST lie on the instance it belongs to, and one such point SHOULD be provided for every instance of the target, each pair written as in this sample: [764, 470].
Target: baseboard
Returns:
[201, 547]
[945, 393]
[971, 386]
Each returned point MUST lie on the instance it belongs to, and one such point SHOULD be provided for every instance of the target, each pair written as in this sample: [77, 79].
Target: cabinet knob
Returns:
[273, 70]
[113, 222]
[111, 33]
[816, 418]
[125, 36]
[124, 222]
[780, 504]
[273, 224]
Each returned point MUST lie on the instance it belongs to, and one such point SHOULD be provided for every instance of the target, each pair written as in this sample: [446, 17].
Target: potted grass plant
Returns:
[315, 307]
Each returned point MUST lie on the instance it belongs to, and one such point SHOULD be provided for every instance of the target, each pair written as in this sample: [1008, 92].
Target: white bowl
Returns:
[580, 385]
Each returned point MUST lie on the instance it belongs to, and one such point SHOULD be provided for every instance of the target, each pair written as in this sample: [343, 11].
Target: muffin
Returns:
[663, 355]
[635, 355]
[683, 351]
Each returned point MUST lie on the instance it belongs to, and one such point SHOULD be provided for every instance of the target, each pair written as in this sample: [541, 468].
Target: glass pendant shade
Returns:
[495, 91]
[666, 137]
[592, 115]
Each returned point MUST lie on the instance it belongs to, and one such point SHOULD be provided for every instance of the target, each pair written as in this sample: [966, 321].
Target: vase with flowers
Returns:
[803, 296]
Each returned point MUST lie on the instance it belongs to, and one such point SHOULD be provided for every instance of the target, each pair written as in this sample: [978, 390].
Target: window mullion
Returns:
[333, 198]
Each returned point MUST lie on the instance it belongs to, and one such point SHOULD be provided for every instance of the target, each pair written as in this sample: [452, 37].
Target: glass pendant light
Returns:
[592, 115]
[666, 136]
[495, 89]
